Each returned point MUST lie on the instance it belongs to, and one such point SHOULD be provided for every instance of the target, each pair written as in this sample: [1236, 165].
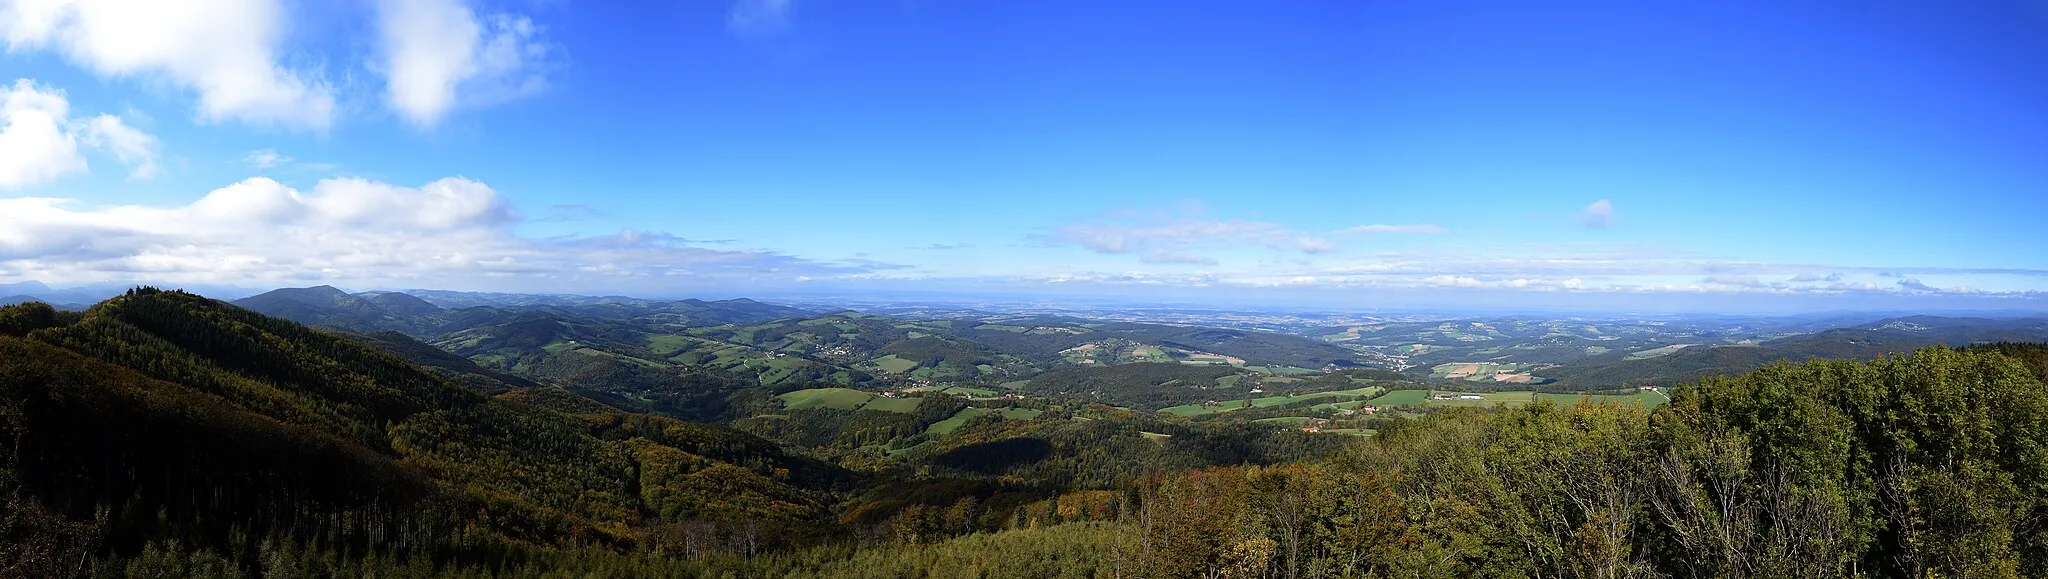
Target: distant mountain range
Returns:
[670, 354]
[1862, 341]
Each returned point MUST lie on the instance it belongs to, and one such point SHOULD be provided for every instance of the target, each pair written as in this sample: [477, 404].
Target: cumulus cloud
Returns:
[224, 50]
[1452, 281]
[437, 53]
[1598, 215]
[39, 141]
[759, 17]
[1812, 277]
[1417, 228]
[1913, 284]
[35, 146]
[132, 146]
[451, 231]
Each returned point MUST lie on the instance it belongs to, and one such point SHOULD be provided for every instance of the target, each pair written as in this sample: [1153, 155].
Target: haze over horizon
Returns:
[1733, 156]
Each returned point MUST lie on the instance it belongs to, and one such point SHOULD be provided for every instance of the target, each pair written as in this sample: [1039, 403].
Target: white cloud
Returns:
[35, 146]
[39, 141]
[1452, 281]
[132, 146]
[1377, 228]
[266, 158]
[1913, 284]
[1599, 215]
[437, 54]
[225, 50]
[274, 159]
[759, 17]
[450, 232]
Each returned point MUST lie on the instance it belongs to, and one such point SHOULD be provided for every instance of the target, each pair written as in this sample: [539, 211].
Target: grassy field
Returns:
[1400, 398]
[845, 399]
[892, 404]
[667, 344]
[840, 398]
[1229, 405]
[960, 418]
[891, 363]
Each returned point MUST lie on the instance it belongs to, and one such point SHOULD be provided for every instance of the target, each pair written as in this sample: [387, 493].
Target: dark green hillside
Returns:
[328, 306]
[619, 362]
[1145, 386]
[2033, 355]
[160, 415]
[1863, 342]
[1263, 348]
[422, 318]
[1114, 451]
[161, 434]
[455, 368]
[932, 351]
[1033, 342]
[861, 333]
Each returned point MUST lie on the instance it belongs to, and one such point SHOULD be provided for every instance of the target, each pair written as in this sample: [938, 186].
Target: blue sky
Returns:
[1813, 155]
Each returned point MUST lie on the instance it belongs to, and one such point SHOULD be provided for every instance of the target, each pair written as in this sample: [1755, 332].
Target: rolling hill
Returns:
[171, 415]
[1865, 341]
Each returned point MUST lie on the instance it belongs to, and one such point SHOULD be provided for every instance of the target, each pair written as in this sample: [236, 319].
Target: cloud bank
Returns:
[1180, 237]
[452, 232]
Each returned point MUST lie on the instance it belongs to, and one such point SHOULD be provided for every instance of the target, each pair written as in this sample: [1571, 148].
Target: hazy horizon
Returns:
[1744, 157]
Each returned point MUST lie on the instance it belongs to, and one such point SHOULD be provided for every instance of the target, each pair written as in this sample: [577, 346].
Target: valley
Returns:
[722, 430]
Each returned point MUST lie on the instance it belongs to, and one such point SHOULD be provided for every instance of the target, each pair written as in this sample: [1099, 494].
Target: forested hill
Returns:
[1862, 341]
[160, 415]
[162, 434]
[452, 311]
